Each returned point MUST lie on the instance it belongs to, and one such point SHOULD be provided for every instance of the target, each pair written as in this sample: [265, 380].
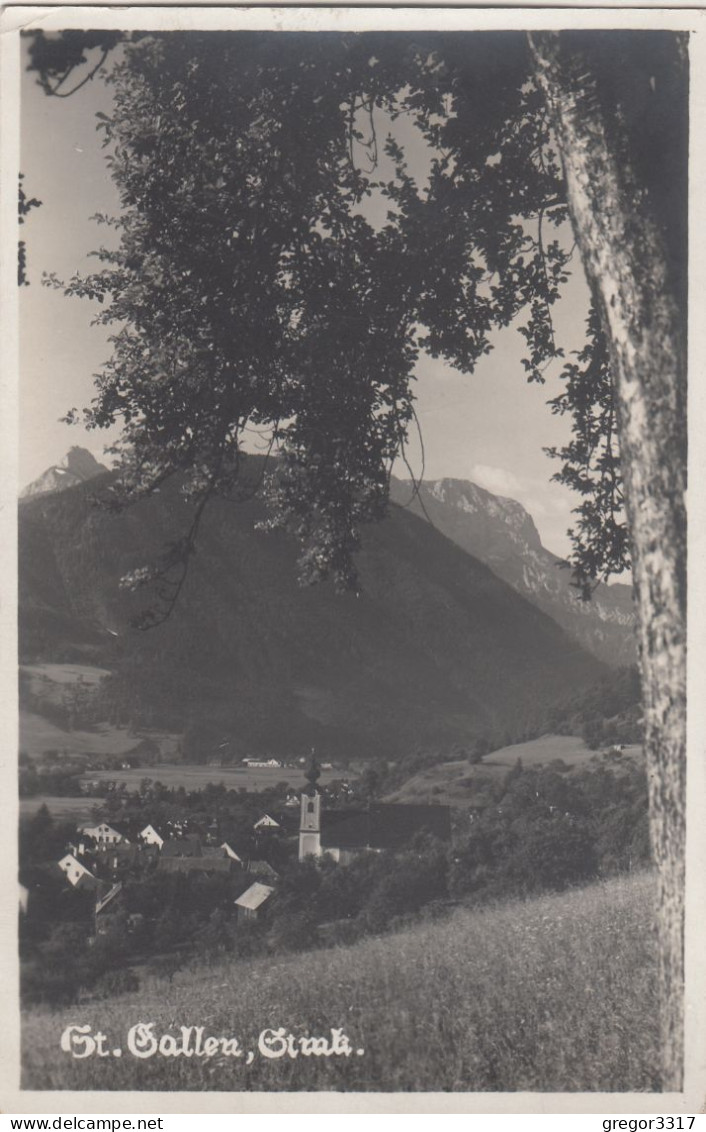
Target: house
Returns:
[103, 833]
[124, 855]
[75, 872]
[261, 868]
[222, 865]
[381, 826]
[250, 902]
[266, 823]
[223, 851]
[150, 836]
[52, 895]
[345, 834]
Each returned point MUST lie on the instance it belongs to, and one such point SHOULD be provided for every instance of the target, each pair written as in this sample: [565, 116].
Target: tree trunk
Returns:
[627, 266]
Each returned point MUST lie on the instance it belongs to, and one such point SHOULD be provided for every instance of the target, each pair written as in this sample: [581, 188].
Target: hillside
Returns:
[457, 783]
[555, 994]
[502, 534]
[433, 650]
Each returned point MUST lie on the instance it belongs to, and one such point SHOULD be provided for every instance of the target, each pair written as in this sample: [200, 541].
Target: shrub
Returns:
[551, 853]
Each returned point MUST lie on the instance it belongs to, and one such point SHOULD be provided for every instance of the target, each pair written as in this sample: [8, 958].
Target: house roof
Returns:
[124, 851]
[195, 864]
[85, 879]
[103, 901]
[262, 868]
[267, 822]
[383, 825]
[68, 861]
[151, 826]
[189, 846]
[218, 851]
[254, 896]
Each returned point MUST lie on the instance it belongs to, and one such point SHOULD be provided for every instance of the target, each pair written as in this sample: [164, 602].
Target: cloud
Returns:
[498, 480]
[539, 496]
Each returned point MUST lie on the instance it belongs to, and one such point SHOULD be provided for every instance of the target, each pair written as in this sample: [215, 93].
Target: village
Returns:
[162, 878]
[103, 857]
[157, 882]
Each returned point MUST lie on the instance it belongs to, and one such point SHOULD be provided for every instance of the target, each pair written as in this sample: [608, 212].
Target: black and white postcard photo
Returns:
[344, 581]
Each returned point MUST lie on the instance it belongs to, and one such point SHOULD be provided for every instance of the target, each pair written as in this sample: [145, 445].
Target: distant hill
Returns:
[435, 650]
[78, 466]
[502, 534]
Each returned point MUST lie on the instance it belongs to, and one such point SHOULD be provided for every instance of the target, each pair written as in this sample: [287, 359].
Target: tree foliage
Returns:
[250, 287]
[57, 57]
[25, 205]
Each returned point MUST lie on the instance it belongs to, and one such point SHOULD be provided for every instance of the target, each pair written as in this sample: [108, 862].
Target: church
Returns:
[344, 834]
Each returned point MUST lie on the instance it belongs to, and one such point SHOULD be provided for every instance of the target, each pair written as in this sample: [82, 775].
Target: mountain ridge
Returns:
[500, 532]
[435, 650]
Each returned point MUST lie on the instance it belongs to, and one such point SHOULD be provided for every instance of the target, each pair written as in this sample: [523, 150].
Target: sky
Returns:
[489, 427]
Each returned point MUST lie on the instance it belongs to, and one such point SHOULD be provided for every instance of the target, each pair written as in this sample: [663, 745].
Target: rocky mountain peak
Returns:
[82, 463]
[474, 501]
[78, 466]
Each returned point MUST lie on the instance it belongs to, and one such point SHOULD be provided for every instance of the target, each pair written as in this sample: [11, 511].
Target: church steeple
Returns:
[310, 820]
[312, 774]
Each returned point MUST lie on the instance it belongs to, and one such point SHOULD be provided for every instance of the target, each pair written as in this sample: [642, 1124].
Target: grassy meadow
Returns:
[553, 994]
[61, 809]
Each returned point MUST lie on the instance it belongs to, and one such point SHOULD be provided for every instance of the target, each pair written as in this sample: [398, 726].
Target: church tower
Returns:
[310, 820]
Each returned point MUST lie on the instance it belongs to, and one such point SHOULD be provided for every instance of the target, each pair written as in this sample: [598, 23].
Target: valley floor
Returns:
[555, 994]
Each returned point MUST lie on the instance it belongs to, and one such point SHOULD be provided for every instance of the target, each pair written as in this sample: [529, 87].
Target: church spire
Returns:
[310, 823]
[312, 775]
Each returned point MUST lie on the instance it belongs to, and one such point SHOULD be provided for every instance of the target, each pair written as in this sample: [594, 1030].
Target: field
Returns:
[172, 775]
[193, 777]
[454, 783]
[556, 994]
[38, 735]
[59, 808]
[64, 674]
